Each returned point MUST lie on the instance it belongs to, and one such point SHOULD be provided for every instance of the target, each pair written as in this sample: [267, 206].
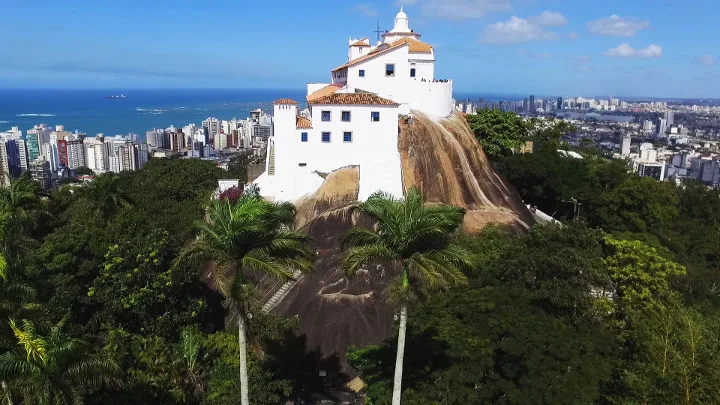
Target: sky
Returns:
[621, 48]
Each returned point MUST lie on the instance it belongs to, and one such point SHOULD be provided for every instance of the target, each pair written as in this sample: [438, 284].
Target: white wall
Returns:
[373, 148]
[432, 98]
[395, 87]
[418, 93]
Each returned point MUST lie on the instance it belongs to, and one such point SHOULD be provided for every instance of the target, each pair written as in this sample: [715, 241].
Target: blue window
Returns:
[303, 137]
[326, 116]
[347, 136]
[361, 72]
[390, 69]
[375, 116]
[346, 116]
[326, 137]
[412, 72]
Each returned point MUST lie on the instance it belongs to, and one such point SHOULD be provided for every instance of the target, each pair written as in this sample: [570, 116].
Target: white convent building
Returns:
[353, 121]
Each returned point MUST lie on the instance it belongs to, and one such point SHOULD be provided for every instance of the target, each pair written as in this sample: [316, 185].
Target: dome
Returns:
[401, 15]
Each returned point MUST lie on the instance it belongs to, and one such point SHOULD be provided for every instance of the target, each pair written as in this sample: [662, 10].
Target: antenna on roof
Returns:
[378, 31]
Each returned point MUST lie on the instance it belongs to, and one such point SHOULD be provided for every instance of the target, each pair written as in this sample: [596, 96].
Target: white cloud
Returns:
[549, 19]
[617, 26]
[573, 35]
[458, 9]
[627, 51]
[707, 59]
[366, 10]
[518, 30]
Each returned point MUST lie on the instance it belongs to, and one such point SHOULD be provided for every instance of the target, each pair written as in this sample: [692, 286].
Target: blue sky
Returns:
[658, 48]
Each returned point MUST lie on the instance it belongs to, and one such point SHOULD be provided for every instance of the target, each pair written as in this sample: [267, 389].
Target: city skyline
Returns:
[490, 46]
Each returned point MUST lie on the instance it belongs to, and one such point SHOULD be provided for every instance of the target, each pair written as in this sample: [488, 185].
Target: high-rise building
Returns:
[96, 155]
[662, 127]
[33, 146]
[625, 142]
[128, 156]
[213, 126]
[76, 154]
[559, 103]
[177, 141]
[670, 117]
[41, 173]
[22, 148]
[531, 105]
[10, 167]
[62, 147]
[142, 154]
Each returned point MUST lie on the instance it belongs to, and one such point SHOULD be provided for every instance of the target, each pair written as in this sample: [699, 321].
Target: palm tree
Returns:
[253, 235]
[415, 237]
[106, 193]
[53, 370]
[20, 208]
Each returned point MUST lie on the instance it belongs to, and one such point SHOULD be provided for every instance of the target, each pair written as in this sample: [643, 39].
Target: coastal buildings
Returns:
[40, 172]
[353, 119]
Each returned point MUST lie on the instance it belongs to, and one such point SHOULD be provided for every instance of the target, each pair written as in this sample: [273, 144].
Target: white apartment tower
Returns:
[353, 120]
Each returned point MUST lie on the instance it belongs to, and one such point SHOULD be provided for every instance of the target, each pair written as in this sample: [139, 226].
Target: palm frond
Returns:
[356, 257]
[262, 262]
[95, 373]
[33, 345]
[360, 237]
[14, 365]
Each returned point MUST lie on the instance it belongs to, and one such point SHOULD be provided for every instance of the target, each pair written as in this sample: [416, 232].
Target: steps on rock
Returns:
[281, 293]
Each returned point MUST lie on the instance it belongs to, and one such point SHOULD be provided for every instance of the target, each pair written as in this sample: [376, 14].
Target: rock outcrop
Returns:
[445, 161]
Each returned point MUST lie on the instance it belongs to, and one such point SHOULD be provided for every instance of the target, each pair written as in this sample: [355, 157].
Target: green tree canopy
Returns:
[500, 133]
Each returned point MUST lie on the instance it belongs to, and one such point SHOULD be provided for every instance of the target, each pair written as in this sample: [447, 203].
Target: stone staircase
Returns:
[281, 293]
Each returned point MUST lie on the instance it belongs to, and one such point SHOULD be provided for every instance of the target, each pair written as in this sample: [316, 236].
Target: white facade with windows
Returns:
[353, 120]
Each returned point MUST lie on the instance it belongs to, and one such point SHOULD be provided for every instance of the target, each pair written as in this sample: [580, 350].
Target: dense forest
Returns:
[123, 290]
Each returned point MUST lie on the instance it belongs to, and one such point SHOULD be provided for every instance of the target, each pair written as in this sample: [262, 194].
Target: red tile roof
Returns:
[414, 45]
[303, 123]
[353, 99]
[329, 89]
[362, 42]
[284, 101]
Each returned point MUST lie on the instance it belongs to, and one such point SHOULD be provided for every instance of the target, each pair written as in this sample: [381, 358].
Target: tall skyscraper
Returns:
[559, 103]
[531, 105]
[662, 127]
[670, 117]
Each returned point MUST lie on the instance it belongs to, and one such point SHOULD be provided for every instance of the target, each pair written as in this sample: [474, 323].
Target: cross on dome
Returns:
[402, 22]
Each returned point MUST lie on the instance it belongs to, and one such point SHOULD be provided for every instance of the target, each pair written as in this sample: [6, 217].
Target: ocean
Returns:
[89, 112]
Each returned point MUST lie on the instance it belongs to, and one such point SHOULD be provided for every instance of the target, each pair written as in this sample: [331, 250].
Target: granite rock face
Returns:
[444, 160]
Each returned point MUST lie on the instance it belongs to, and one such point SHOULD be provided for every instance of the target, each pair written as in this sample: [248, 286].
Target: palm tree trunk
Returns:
[242, 342]
[8, 396]
[397, 381]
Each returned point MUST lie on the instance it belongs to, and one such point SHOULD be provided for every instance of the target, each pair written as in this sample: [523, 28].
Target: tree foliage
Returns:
[500, 133]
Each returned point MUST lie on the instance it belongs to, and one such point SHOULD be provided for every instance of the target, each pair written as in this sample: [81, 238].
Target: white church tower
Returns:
[401, 29]
[353, 119]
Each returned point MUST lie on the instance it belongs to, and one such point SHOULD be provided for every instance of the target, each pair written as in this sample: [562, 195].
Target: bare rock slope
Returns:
[445, 161]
